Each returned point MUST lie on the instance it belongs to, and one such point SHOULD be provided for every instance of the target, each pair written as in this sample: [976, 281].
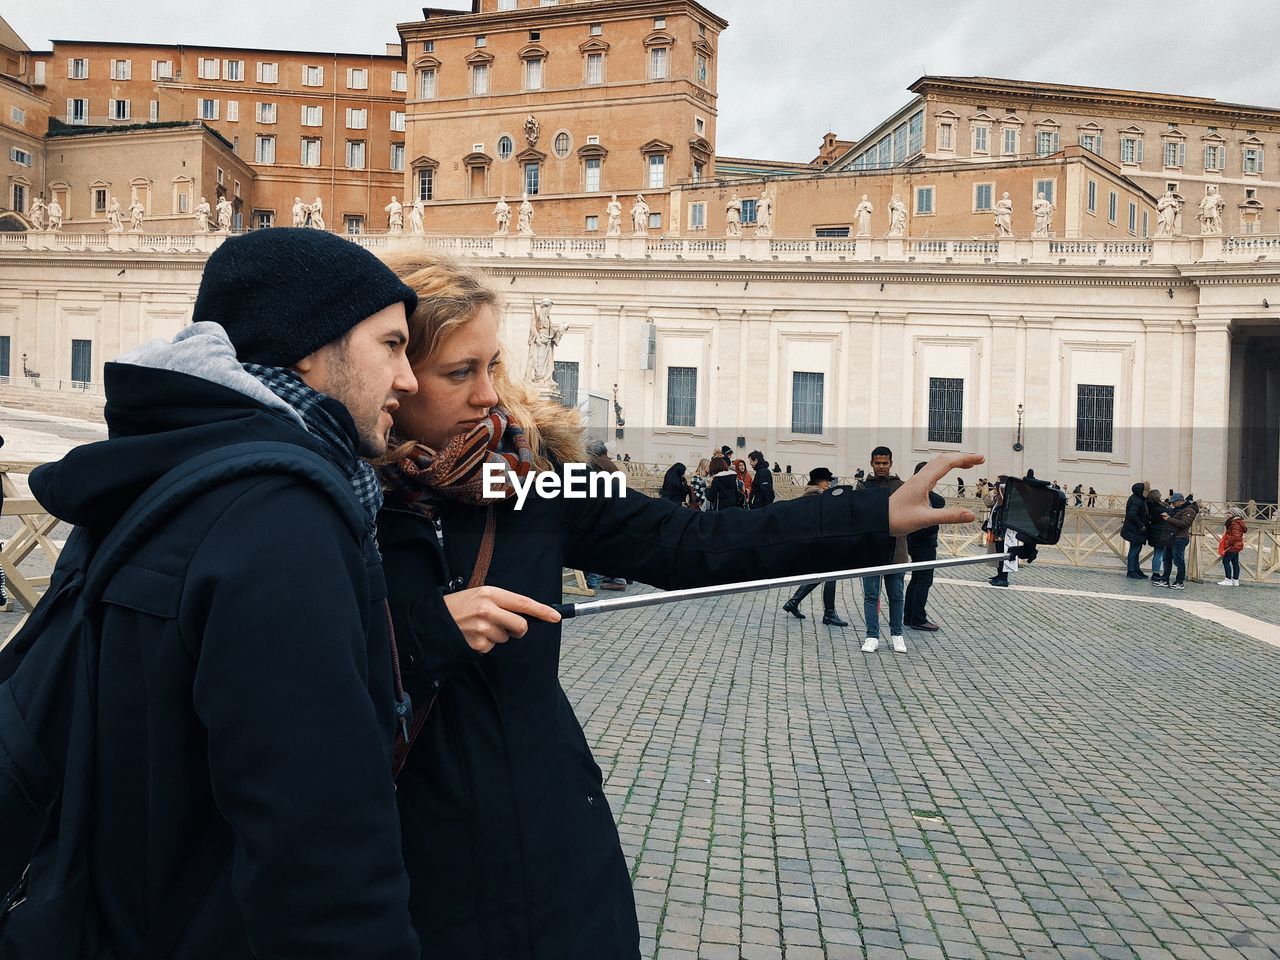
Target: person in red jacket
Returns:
[1231, 546]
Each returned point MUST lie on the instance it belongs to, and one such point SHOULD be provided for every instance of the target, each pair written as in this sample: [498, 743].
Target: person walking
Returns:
[1231, 546]
[883, 479]
[1134, 530]
[1182, 514]
[761, 482]
[820, 479]
[993, 500]
[248, 700]
[922, 545]
[509, 842]
[1158, 537]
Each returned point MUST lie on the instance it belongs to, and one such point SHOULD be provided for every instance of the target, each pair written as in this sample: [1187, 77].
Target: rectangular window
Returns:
[208, 109]
[118, 109]
[1253, 160]
[682, 396]
[597, 29]
[121, 69]
[355, 154]
[655, 221]
[78, 110]
[221, 176]
[482, 41]
[266, 113]
[268, 72]
[531, 177]
[506, 4]
[1046, 142]
[1133, 218]
[264, 219]
[425, 182]
[1095, 417]
[233, 70]
[233, 110]
[806, 402]
[99, 199]
[399, 81]
[591, 179]
[19, 196]
[78, 68]
[1009, 147]
[699, 126]
[1092, 142]
[184, 203]
[1130, 150]
[595, 68]
[313, 76]
[592, 224]
[915, 133]
[154, 115]
[1112, 204]
[426, 84]
[264, 148]
[311, 151]
[1045, 187]
[313, 116]
[900, 143]
[357, 78]
[480, 79]
[1175, 153]
[357, 119]
[982, 197]
[1146, 225]
[208, 68]
[23, 159]
[924, 200]
[4, 356]
[353, 224]
[697, 216]
[1093, 196]
[397, 156]
[700, 68]
[533, 74]
[980, 138]
[565, 374]
[944, 136]
[658, 63]
[946, 410]
[40, 71]
[161, 69]
[18, 116]
[1213, 157]
[657, 171]
[81, 361]
[830, 231]
[749, 210]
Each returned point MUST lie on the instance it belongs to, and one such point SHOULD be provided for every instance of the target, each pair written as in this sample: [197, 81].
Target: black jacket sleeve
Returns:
[654, 542]
[277, 596]
[762, 489]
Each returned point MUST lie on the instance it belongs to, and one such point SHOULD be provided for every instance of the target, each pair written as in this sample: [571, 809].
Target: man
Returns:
[922, 545]
[247, 706]
[882, 479]
[820, 479]
[1182, 514]
[761, 482]
[1134, 530]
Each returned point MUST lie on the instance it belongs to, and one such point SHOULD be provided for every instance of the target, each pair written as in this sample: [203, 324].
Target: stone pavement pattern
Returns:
[1047, 777]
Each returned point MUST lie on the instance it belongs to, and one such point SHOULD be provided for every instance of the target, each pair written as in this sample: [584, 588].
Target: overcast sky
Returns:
[792, 70]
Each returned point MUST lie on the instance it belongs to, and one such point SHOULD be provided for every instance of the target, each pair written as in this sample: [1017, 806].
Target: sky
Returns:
[793, 70]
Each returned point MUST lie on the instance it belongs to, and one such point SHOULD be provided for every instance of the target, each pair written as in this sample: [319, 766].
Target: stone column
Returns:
[1211, 393]
[1040, 431]
[998, 431]
[1158, 442]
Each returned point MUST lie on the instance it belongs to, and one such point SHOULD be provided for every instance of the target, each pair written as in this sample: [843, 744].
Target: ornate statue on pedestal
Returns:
[315, 215]
[1004, 216]
[897, 217]
[640, 217]
[1211, 211]
[733, 216]
[417, 214]
[224, 215]
[300, 212]
[55, 215]
[1043, 210]
[395, 215]
[37, 214]
[203, 210]
[1167, 209]
[115, 223]
[524, 225]
[862, 217]
[136, 212]
[502, 212]
[764, 213]
[544, 337]
[614, 212]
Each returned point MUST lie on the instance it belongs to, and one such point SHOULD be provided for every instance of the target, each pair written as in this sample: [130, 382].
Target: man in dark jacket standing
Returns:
[922, 545]
[1134, 530]
[1182, 514]
[882, 479]
[820, 479]
[761, 482]
[247, 704]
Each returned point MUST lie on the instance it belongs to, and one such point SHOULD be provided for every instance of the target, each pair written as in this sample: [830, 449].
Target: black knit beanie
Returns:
[284, 292]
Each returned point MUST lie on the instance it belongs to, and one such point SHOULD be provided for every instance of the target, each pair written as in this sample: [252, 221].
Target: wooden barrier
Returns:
[35, 527]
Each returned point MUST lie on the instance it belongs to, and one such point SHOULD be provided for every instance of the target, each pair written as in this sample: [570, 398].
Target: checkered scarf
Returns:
[457, 471]
[336, 443]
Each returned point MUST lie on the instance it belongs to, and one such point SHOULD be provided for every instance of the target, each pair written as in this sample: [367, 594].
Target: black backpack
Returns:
[48, 704]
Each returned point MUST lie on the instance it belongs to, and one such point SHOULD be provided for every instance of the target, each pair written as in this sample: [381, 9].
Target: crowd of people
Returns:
[1151, 520]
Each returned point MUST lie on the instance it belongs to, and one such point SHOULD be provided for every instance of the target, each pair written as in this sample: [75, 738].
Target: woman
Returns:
[1229, 547]
[699, 483]
[1159, 537]
[744, 480]
[674, 486]
[724, 491]
[509, 842]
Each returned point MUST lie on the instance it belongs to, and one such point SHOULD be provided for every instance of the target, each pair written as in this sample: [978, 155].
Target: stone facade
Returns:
[24, 117]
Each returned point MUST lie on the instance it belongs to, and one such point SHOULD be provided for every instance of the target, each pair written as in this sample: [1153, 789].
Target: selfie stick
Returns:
[616, 604]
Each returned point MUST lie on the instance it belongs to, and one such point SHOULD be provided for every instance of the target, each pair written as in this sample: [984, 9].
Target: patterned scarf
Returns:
[337, 443]
[457, 471]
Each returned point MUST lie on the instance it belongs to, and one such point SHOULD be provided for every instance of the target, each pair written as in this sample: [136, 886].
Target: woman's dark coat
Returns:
[674, 485]
[1158, 532]
[1136, 517]
[724, 491]
[509, 842]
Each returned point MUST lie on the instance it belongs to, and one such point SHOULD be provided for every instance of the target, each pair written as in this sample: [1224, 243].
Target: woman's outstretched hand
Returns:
[909, 508]
[488, 616]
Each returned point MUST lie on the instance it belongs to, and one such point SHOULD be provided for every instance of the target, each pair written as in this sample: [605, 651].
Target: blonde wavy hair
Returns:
[449, 295]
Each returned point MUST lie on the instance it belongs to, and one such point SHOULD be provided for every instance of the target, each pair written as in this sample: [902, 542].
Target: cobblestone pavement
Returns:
[1046, 777]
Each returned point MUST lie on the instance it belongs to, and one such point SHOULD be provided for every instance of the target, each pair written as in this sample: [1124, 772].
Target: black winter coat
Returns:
[251, 699]
[923, 544]
[723, 491]
[762, 493]
[1136, 519]
[1159, 533]
[510, 844]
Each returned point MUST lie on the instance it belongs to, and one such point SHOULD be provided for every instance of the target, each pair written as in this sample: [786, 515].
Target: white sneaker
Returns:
[870, 644]
[899, 644]
[1226, 583]
[1235, 583]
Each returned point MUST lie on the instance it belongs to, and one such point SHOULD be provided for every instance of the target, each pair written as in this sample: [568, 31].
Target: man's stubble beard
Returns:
[345, 388]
